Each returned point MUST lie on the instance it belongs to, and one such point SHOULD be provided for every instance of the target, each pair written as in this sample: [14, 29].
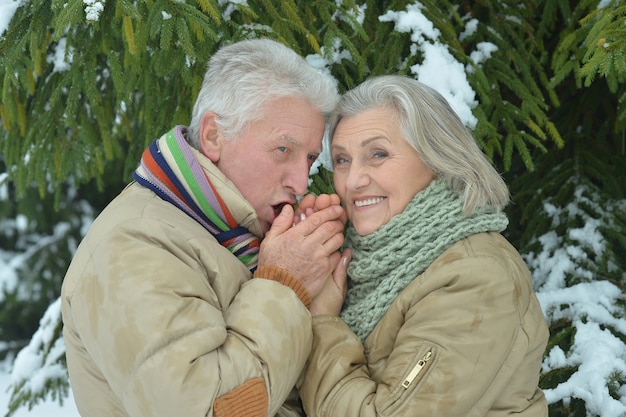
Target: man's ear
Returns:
[210, 140]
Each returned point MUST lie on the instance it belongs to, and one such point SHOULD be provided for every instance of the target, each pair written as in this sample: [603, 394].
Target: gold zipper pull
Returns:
[416, 369]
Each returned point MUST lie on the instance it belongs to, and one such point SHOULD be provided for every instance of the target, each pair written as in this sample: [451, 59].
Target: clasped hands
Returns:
[306, 243]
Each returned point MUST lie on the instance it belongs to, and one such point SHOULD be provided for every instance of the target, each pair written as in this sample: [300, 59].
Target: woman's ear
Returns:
[210, 140]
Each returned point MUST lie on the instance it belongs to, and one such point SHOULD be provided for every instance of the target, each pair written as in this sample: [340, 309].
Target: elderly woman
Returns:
[440, 318]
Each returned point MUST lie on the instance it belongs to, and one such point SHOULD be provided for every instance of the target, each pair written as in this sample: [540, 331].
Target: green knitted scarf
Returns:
[387, 260]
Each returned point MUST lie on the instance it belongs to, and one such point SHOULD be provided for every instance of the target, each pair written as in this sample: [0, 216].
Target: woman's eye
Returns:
[380, 154]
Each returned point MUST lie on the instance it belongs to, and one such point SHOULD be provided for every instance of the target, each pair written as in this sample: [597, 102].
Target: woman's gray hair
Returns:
[435, 131]
[243, 76]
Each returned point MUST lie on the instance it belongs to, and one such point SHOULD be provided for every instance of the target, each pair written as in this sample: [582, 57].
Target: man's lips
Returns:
[279, 207]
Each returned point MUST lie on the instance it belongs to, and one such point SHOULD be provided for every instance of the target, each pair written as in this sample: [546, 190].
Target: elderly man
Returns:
[172, 306]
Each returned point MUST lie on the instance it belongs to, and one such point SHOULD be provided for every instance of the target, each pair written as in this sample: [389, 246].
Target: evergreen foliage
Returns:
[577, 244]
[40, 242]
[85, 86]
[44, 358]
[133, 69]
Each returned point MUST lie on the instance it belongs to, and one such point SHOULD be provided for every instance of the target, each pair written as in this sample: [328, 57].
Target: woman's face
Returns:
[376, 172]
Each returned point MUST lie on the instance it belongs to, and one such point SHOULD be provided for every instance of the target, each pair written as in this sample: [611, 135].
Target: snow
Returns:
[47, 408]
[592, 305]
[439, 69]
[93, 8]
[7, 10]
[35, 368]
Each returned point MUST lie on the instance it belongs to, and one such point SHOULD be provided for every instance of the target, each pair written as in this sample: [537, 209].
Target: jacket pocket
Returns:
[410, 379]
[417, 369]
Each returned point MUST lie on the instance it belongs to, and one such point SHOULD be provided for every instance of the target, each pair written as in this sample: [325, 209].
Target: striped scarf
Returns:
[170, 169]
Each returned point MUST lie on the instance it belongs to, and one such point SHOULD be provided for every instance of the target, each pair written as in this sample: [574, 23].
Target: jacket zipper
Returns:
[416, 370]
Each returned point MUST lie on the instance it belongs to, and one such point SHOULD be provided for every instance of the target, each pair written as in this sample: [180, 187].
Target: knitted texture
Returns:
[387, 260]
[170, 169]
[247, 400]
[277, 274]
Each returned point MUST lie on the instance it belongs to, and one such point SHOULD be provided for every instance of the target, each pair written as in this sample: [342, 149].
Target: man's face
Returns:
[269, 161]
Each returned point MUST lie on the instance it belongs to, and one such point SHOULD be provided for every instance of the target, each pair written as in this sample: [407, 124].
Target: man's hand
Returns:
[307, 250]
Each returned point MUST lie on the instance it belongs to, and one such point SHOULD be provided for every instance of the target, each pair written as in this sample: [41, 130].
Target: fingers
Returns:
[340, 271]
[306, 204]
[327, 200]
[319, 218]
[322, 201]
[324, 227]
[333, 236]
[333, 293]
[311, 203]
[307, 250]
[340, 274]
[282, 222]
[333, 200]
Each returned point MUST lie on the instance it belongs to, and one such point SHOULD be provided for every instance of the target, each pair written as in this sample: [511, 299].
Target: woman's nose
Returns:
[358, 177]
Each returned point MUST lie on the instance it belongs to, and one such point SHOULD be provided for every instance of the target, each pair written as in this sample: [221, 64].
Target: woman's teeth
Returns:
[368, 202]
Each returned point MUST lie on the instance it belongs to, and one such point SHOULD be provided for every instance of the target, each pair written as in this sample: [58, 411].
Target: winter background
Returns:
[8, 278]
[591, 305]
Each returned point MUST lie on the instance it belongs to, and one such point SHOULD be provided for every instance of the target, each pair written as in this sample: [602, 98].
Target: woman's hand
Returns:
[330, 299]
[311, 203]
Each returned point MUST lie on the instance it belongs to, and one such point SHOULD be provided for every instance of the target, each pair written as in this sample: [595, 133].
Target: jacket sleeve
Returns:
[177, 327]
[459, 338]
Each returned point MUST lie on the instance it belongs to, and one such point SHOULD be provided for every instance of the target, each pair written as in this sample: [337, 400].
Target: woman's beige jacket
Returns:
[161, 320]
[464, 338]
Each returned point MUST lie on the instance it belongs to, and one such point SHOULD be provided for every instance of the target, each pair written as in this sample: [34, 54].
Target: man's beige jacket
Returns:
[161, 320]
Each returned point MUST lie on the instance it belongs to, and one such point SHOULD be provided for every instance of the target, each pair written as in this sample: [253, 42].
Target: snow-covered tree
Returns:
[87, 84]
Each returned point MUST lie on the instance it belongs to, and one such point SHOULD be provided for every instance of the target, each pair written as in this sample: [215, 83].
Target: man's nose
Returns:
[297, 178]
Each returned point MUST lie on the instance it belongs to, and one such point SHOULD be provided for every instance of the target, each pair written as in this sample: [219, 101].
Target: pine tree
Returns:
[577, 196]
[86, 86]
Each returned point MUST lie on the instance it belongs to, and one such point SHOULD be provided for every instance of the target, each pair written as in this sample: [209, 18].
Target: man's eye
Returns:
[282, 149]
[338, 160]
